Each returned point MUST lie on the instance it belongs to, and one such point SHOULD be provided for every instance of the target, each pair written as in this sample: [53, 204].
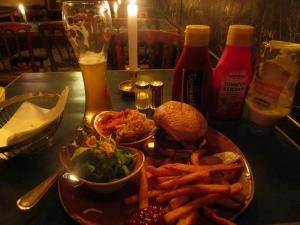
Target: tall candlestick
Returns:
[132, 11]
[22, 10]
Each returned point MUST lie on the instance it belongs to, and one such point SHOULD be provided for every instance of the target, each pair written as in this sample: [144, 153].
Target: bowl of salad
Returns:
[100, 163]
[128, 127]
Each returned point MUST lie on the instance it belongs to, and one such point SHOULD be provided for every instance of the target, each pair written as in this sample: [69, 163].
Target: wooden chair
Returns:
[34, 13]
[19, 40]
[16, 52]
[156, 49]
[15, 16]
[58, 47]
[143, 23]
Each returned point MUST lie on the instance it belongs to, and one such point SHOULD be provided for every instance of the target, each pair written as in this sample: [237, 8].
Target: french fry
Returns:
[132, 199]
[143, 192]
[216, 218]
[149, 175]
[165, 178]
[161, 171]
[188, 187]
[196, 155]
[209, 168]
[179, 201]
[189, 219]
[235, 188]
[194, 189]
[175, 214]
[185, 179]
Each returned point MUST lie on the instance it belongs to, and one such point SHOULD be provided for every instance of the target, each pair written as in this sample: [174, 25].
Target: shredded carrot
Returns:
[90, 141]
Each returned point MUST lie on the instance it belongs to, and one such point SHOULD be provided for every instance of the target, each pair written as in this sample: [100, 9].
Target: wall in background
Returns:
[273, 19]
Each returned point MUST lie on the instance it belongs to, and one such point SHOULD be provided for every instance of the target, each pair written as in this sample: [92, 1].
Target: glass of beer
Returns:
[88, 26]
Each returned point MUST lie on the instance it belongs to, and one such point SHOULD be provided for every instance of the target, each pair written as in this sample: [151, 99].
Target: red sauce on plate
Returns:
[152, 215]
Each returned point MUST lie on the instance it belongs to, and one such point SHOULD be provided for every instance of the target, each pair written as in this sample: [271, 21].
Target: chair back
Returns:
[156, 49]
[57, 45]
[143, 23]
[33, 14]
[15, 39]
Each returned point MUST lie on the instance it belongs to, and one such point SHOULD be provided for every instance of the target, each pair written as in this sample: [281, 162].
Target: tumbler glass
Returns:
[88, 25]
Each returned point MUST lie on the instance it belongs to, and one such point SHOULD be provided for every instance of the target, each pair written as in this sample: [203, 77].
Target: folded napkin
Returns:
[2, 94]
[30, 119]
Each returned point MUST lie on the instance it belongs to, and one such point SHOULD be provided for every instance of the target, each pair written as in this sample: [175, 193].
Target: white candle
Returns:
[22, 10]
[132, 11]
[116, 9]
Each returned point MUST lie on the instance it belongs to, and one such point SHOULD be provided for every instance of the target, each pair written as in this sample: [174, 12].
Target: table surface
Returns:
[274, 162]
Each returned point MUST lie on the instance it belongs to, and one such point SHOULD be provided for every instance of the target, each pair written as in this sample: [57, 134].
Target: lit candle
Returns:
[132, 11]
[116, 9]
[22, 10]
[119, 2]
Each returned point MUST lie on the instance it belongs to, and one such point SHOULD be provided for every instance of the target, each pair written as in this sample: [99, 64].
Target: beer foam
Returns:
[91, 58]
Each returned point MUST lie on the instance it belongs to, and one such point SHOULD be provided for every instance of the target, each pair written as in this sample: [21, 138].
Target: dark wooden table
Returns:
[275, 163]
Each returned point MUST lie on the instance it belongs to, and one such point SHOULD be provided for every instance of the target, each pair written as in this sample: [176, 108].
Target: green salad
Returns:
[101, 160]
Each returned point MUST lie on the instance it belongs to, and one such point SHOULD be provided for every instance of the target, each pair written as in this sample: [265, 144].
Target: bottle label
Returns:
[232, 93]
[192, 86]
[268, 86]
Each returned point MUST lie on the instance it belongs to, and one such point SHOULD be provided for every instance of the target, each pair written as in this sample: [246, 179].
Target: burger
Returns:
[181, 129]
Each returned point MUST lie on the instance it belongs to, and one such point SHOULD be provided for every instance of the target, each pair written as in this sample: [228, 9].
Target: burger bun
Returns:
[181, 121]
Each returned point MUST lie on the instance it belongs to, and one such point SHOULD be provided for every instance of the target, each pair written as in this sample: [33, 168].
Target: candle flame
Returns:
[105, 8]
[115, 7]
[119, 2]
[22, 8]
[102, 10]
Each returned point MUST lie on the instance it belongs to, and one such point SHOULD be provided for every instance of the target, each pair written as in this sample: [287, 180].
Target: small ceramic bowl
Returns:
[135, 144]
[105, 187]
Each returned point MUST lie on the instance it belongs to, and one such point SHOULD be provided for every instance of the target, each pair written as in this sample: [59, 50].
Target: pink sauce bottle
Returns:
[233, 74]
[193, 69]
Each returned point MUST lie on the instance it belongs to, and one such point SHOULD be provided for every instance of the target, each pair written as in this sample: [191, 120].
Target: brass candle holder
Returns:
[128, 86]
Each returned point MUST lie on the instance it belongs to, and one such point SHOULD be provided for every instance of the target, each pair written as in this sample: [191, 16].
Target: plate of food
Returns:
[128, 127]
[209, 183]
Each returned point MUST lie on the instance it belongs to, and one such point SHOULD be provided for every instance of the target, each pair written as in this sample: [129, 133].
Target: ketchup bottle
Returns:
[193, 70]
[233, 74]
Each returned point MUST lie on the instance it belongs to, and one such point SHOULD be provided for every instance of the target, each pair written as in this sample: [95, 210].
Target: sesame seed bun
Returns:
[181, 121]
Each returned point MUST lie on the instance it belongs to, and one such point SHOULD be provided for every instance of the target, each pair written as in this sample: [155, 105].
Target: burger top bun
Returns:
[181, 121]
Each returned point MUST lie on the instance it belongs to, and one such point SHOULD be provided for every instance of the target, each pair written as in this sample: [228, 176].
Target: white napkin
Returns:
[2, 94]
[29, 119]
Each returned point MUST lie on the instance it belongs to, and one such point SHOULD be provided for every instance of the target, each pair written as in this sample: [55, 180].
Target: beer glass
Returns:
[88, 26]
